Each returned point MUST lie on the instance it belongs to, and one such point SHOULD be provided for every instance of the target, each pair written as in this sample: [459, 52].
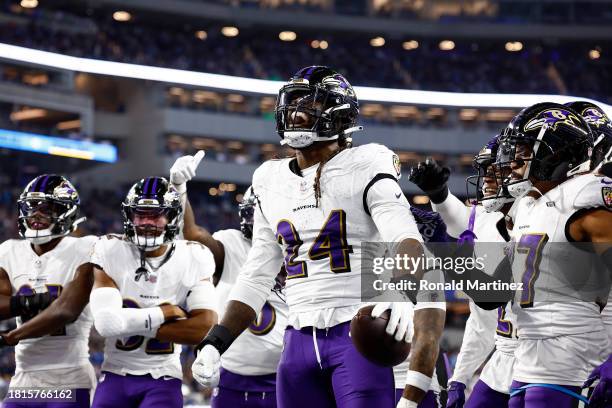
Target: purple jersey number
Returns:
[54, 292]
[153, 346]
[330, 243]
[265, 322]
[285, 231]
[532, 245]
[504, 327]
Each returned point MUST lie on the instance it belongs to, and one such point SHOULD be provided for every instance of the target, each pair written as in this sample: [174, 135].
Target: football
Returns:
[369, 337]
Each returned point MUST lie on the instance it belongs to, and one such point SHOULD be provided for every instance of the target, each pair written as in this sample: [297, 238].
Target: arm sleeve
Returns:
[202, 296]
[390, 211]
[4, 251]
[431, 299]
[202, 293]
[478, 342]
[113, 320]
[265, 259]
[455, 214]
[97, 253]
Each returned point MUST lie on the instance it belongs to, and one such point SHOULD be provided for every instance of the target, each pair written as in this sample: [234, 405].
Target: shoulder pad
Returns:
[227, 235]
[200, 254]
[378, 159]
[8, 246]
[590, 191]
[267, 169]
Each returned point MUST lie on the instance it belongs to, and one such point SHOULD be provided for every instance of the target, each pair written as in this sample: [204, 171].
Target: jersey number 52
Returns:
[153, 346]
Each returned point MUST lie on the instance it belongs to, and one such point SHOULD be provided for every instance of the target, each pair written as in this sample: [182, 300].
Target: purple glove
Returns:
[456, 395]
[602, 394]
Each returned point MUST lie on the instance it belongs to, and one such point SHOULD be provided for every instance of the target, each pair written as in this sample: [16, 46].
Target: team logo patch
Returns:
[606, 193]
[397, 165]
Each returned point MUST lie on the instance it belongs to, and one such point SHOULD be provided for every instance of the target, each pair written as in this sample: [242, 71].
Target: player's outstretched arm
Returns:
[428, 327]
[430, 177]
[111, 319]
[65, 309]
[182, 171]
[197, 233]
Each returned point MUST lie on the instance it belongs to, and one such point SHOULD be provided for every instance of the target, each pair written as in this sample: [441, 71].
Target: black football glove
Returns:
[431, 178]
[28, 306]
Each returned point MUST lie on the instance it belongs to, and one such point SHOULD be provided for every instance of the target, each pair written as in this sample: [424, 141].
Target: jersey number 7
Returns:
[330, 243]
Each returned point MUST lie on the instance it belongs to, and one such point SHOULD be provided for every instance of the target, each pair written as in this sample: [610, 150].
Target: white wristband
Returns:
[418, 380]
[405, 403]
[180, 188]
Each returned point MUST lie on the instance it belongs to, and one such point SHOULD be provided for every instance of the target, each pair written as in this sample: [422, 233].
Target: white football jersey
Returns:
[606, 315]
[51, 272]
[490, 236]
[188, 264]
[257, 350]
[550, 303]
[321, 245]
[486, 330]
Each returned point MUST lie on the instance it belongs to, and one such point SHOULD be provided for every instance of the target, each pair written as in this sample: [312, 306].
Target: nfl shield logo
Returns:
[606, 193]
[397, 165]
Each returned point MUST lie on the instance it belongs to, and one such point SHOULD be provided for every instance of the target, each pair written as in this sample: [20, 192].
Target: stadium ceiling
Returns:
[267, 87]
[189, 9]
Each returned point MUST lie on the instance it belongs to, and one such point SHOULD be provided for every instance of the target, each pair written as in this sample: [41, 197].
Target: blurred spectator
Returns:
[482, 66]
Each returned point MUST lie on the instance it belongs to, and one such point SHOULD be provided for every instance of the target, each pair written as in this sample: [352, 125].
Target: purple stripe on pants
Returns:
[343, 378]
[137, 391]
[81, 401]
[244, 391]
[483, 396]
[539, 397]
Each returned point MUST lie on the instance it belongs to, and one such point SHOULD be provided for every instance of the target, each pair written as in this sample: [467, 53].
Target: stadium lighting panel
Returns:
[57, 146]
[267, 87]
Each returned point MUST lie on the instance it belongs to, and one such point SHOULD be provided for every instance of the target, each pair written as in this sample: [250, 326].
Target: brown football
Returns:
[369, 337]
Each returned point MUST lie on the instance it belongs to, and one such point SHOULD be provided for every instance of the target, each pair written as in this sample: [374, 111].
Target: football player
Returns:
[486, 331]
[33, 272]
[141, 282]
[600, 163]
[316, 210]
[248, 367]
[561, 335]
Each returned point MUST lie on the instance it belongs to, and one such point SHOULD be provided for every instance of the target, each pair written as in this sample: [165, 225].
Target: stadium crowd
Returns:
[471, 66]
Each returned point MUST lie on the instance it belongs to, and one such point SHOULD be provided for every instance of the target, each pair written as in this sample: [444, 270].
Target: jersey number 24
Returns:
[330, 243]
